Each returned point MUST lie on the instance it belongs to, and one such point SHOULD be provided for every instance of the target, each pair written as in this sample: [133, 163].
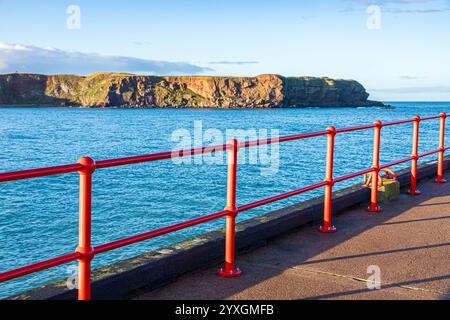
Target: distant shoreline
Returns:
[38, 106]
[140, 91]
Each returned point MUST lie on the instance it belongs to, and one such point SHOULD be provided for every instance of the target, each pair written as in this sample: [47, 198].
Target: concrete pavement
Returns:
[409, 241]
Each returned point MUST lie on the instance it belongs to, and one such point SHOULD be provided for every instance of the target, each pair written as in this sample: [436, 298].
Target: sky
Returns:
[398, 49]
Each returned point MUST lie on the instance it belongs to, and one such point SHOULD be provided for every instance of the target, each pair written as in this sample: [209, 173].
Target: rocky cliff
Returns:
[127, 90]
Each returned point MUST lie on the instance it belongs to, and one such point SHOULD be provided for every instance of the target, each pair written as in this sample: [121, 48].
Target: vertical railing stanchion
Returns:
[86, 167]
[327, 227]
[374, 207]
[230, 270]
[440, 172]
[84, 229]
[415, 157]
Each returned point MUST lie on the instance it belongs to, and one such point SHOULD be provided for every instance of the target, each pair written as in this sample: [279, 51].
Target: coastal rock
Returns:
[128, 90]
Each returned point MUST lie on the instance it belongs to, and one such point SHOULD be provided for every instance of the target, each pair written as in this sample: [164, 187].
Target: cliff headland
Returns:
[128, 90]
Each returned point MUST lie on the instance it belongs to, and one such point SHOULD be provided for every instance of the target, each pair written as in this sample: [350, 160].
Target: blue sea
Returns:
[39, 217]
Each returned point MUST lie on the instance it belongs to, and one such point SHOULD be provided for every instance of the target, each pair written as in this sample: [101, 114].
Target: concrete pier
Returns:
[409, 242]
[284, 257]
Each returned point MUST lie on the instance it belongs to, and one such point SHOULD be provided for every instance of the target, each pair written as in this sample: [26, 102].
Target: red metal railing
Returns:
[86, 167]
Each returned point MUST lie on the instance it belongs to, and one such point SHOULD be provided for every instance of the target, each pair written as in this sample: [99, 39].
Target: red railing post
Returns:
[327, 227]
[84, 229]
[230, 270]
[415, 157]
[374, 207]
[440, 172]
[86, 167]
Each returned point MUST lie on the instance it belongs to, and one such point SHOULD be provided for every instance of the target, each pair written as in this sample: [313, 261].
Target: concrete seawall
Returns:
[155, 269]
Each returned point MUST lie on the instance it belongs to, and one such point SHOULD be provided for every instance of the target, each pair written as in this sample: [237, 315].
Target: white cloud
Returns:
[13, 47]
[31, 59]
[239, 63]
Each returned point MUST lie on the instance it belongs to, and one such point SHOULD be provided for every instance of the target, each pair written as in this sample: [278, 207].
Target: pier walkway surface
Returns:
[409, 241]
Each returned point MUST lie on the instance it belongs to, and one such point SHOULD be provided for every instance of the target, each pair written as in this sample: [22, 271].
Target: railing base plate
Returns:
[331, 229]
[374, 210]
[234, 273]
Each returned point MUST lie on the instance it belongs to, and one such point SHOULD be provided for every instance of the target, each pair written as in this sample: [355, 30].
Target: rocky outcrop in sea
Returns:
[128, 90]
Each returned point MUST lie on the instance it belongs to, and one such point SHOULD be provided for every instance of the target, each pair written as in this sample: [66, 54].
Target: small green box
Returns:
[389, 191]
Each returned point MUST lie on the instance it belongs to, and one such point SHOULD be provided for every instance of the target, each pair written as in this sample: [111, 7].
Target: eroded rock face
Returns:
[229, 92]
[321, 92]
[126, 90]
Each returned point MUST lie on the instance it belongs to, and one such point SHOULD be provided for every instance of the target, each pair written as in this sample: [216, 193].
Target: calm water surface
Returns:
[38, 218]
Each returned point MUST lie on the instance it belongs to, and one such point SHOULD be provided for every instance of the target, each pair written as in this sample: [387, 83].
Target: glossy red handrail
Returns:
[279, 197]
[395, 163]
[159, 232]
[429, 153]
[393, 123]
[158, 156]
[37, 173]
[86, 167]
[353, 175]
[32, 268]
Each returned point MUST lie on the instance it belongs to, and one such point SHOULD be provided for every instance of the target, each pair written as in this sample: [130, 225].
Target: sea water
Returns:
[39, 217]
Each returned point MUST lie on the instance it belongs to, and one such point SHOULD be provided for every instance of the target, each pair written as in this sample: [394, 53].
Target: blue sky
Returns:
[408, 58]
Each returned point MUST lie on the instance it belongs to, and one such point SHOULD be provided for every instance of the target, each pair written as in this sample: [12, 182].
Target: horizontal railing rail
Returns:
[86, 167]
